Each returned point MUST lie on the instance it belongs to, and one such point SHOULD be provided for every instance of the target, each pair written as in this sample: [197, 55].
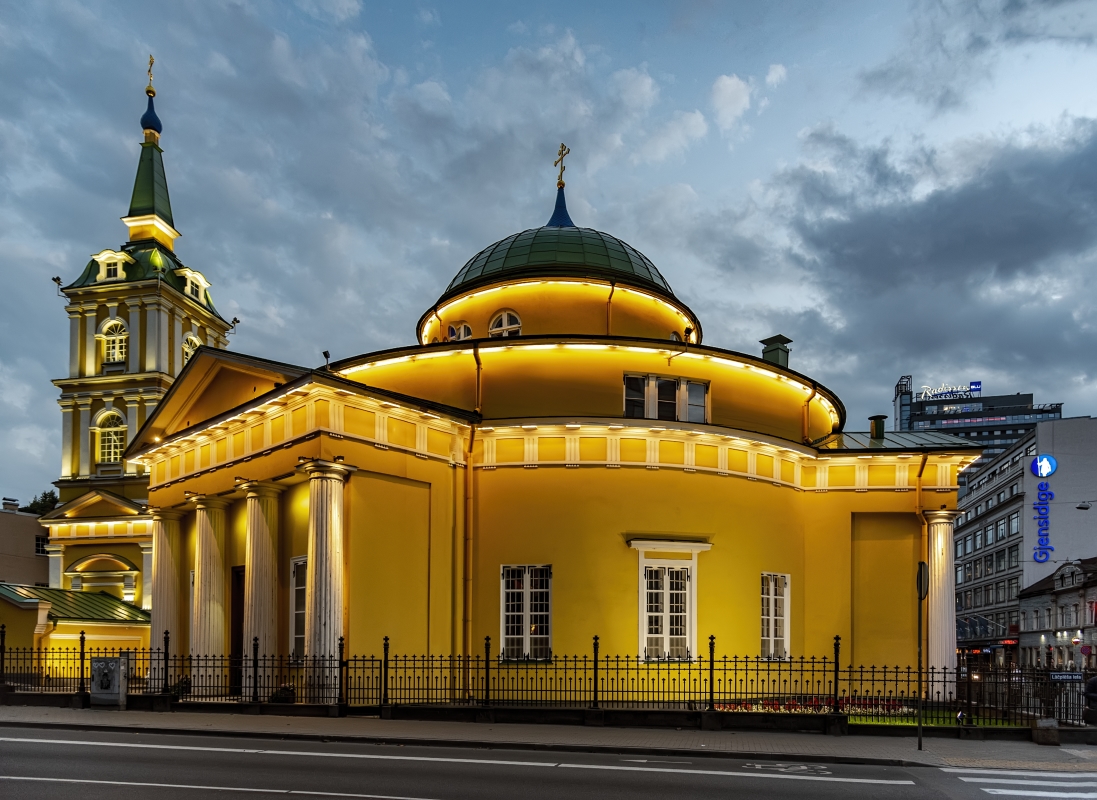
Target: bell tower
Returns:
[136, 315]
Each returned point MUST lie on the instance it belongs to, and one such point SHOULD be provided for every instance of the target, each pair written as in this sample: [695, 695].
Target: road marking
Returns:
[653, 761]
[207, 788]
[1030, 793]
[370, 756]
[752, 775]
[1022, 773]
[1022, 782]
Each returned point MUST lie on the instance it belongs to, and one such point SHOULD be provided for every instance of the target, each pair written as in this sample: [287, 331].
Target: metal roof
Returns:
[895, 441]
[82, 606]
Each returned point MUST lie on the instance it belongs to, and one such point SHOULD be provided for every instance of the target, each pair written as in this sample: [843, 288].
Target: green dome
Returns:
[559, 252]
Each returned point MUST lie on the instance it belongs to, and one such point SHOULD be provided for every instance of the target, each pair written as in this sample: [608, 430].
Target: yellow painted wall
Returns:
[885, 553]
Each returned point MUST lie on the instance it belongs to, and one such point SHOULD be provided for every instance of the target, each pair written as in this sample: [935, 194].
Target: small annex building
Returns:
[40, 617]
[558, 455]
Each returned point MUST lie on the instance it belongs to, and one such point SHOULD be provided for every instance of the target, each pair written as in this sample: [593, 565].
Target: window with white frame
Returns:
[190, 346]
[112, 437]
[297, 599]
[505, 324]
[115, 339]
[111, 270]
[194, 289]
[663, 398]
[459, 331]
[526, 603]
[774, 615]
[667, 612]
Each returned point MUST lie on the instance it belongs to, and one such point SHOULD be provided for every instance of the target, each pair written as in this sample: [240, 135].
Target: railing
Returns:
[986, 696]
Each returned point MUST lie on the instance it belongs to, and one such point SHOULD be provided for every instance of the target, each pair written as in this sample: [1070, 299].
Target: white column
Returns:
[86, 444]
[132, 404]
[260, 570]
[90, 349]
[68, 463]
[164, 592]
[146, 580]
[941, 628]
[74, 340]
[207, 626]
[177, 344]
[56, 555]
[324, 579]
[134, 344]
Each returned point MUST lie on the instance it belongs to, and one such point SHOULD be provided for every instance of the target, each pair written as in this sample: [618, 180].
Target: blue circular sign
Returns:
[1044, 466]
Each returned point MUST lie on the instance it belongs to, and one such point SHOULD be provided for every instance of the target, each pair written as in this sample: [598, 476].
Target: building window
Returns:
[774, 621]
[115, 338]
[112, 270]
[190, 347]
[667, 612]
[193, 289]
[1024, 621]
[959, 604]
[1014, 523]
[977, 569]
[1074, 615]
[112, 438]
[670, 399]
[967, 599]
[1013, 587]
[1001, 530]
[959, 575]
[959, 549]
[1000, 592]
[967, 544]
[1000, 558]
[1014, 556]
[504, 325]
[1091, 613]
[459, 331]
[527, 608]
[298, 575]
[40, 543]
[979, 539]
[978, 598]
[1036, 619]
[967, 572]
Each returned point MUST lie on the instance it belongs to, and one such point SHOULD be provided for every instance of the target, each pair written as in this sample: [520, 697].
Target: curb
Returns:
[473, 744]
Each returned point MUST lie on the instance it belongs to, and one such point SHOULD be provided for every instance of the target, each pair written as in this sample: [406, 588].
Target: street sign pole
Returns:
[922, 587]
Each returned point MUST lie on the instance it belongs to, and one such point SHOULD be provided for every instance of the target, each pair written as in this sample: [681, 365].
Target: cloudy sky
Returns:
[899, 188]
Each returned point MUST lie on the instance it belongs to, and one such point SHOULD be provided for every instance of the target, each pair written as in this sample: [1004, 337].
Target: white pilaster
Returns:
[146, 580]
[177, 344]
[324, 579]
[260, 573]
[207, 626]
[90, 349]
[74, 340]
[68, 463]
[56, 555]
[134, 325]
[133, 402]
[86, 444]
[941, 627]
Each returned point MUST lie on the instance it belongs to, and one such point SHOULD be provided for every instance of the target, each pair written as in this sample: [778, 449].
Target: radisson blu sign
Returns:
[946, 392]
[1043, 466]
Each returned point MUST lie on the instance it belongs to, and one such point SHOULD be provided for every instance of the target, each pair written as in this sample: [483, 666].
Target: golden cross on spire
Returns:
[148, 89]
[564, 150]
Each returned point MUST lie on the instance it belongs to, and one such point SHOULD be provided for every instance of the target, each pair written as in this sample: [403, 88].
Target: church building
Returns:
[557, 455]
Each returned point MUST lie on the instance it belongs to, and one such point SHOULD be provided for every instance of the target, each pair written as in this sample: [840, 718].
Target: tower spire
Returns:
[560, 217]
[149, 215]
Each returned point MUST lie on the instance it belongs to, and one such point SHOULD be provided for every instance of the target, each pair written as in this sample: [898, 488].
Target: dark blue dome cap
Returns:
[560, 218]
[151, 122]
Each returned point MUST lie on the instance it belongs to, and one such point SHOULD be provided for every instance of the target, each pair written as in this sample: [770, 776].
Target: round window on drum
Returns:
[505, 324]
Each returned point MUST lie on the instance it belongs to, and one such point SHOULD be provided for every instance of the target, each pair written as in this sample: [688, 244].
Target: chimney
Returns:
[876, 425]
[11, 504]
[776, 350]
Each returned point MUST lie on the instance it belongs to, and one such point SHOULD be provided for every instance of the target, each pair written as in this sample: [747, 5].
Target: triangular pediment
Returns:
[213, 382]
[96, 504]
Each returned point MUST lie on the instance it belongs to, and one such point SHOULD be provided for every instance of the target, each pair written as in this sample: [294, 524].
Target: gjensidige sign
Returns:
[1043, 466]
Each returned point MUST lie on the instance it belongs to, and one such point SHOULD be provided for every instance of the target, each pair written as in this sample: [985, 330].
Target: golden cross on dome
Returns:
[564, 150]
[148, 89]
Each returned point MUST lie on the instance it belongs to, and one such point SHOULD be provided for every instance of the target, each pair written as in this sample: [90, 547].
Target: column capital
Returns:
[206, 501]
[260, 488]
[84, 402]
[946, 515]
[55, 550]
[146, 548]
[319, 468]
[166, 514]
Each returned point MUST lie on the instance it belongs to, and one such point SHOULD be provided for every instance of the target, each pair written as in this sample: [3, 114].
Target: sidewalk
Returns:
[638, 741]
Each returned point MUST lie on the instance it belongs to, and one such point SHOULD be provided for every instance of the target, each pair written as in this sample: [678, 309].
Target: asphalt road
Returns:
[36, 763]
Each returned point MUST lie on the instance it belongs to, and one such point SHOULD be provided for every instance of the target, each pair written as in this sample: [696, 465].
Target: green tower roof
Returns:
[150, 189]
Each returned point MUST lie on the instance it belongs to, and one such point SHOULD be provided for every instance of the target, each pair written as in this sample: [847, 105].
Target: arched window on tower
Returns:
[190, 346]
[505, 324]
[112, 437]
[459, 331]
[115, 341]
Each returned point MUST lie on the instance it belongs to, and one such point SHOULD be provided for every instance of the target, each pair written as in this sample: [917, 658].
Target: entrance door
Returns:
[236, 632]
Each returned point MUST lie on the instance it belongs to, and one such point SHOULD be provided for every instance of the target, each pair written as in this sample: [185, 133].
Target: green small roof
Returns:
[77, 606]
[559, 252]
[150, 188]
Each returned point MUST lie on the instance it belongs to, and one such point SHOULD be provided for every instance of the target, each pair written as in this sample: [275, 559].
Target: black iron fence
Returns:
[1004, 695]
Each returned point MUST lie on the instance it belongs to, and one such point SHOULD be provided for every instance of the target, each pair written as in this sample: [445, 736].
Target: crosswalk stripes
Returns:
[1028, 783]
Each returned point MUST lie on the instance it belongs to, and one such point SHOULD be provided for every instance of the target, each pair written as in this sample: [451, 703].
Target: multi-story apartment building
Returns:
[1024, 515]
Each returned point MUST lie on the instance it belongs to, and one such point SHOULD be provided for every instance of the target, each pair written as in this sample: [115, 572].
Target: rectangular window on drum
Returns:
[634, 396]
[695, 402]
[526, 604]
[667, 399]
[774, 619]
[298, 599]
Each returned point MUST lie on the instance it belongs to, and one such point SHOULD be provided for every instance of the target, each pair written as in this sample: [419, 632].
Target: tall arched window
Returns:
[115, 340]
[190, 345]
[504, 324]
[112, 438]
